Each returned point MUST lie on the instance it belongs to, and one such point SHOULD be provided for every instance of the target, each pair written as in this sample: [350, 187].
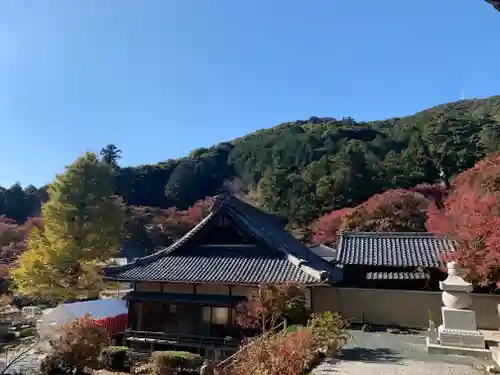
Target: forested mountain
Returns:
[305, 168]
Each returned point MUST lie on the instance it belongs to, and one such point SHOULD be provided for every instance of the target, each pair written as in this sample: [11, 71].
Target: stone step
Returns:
[495, 354]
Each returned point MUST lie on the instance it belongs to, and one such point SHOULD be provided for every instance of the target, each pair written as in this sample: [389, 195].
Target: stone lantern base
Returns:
[459, 329]
[460, 337]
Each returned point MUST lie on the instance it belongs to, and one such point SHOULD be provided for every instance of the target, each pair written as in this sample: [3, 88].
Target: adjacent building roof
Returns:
[393, 249]
[382, 275]
[276, 257]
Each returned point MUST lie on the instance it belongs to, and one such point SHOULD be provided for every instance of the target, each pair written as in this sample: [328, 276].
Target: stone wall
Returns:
[398, 307]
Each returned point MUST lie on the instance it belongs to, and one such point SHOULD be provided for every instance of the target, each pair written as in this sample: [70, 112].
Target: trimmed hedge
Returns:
[115, 358]
[164, 361]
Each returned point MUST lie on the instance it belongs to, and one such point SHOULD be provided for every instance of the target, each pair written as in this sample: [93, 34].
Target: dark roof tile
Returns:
[279, 257]
[222, 265]
[396, 276]
[393, 249]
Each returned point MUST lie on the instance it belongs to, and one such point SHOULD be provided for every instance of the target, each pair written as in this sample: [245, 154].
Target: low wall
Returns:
[398, 307]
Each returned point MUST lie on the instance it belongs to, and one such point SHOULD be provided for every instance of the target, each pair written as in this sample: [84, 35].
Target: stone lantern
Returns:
[459, 327]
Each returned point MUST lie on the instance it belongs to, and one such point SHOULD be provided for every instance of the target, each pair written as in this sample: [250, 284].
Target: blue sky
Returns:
[159, 78]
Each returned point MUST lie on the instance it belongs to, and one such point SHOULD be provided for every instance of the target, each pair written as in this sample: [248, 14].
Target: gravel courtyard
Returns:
[377, 353]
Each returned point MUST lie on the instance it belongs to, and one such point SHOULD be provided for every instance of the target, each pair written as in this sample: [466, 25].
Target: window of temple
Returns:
[172, 308]
[220, 315]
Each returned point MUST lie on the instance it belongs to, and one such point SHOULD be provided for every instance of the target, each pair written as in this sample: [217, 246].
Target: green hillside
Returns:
[304, 168]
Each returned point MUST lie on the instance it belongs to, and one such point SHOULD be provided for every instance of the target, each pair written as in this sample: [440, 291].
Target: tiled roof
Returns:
[396, 276]
[277, 258]
[226, 265]
[393, 249]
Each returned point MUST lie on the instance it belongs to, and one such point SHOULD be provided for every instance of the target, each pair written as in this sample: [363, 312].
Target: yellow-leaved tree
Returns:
[82, 225]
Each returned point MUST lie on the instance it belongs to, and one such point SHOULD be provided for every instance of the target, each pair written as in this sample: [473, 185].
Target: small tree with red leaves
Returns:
[78, 344]
[473, 223]
[278, 354]
[271, 304]
[395, 210]
[327, 228]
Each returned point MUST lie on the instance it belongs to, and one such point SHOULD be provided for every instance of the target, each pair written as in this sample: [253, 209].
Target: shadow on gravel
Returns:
[369, 355]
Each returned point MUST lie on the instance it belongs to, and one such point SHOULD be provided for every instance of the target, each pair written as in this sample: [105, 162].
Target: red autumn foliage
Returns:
[395, 210]
[327, 228]
[483, 178]
[274, 355]
[154, 227]
[79, 343]
[13, 238]
[473, 222]
[269, 304]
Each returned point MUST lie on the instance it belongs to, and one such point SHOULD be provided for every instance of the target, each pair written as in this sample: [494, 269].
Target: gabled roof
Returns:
[385, 249]
[276, 257]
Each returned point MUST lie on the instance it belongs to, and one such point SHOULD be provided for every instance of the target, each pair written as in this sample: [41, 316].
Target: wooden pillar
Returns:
[311, 306]
[139, 316]
[231, 307]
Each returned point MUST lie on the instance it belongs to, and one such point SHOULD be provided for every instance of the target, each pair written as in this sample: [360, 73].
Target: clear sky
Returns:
[159, 78]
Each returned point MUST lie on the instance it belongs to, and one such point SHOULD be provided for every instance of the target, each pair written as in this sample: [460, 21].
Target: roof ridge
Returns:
[300, 263]
[169, 249]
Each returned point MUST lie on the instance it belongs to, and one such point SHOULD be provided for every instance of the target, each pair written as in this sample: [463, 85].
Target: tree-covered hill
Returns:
[305, 168]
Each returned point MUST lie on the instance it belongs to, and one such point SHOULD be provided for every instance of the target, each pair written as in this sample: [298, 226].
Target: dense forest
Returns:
[303, 169]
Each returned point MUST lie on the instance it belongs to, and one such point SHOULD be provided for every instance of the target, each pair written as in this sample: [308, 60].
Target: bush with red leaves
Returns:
[326, 229]
[395, 210]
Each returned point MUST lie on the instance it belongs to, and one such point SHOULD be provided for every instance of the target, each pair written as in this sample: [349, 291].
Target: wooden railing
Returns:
[183, 339]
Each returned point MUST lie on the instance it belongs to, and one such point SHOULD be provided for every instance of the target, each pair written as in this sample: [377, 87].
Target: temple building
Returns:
[185, 296]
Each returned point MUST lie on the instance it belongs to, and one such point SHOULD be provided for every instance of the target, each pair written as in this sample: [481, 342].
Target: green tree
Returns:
[454, 141]
[82, 228]
[110, 155]
[273, 189]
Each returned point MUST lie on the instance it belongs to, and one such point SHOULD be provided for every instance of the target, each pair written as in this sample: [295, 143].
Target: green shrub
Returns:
[115, 358]
[27, 332]
[168, 361]
[329, 331]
